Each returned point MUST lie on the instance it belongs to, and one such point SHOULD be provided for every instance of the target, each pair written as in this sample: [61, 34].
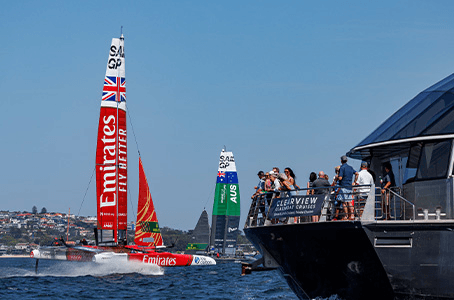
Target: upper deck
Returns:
[417, 141]
[300, 206]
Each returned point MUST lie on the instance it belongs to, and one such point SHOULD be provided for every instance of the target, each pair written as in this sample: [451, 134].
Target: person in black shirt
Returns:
[388, 182]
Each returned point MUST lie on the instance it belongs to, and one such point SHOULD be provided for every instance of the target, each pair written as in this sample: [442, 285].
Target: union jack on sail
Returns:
[114, 89]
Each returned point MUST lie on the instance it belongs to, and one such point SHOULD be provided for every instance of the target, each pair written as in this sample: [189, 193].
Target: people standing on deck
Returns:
[312, 178]
[321, 183]
[276, 188]
[291, 179]
[276, 170]
[336, 203]
[285, 184]
[388, 182]
[321, 186]
[268, 182]
[364, 178]
[336, 173]
[345, 179]
[269, 188]
[260, 188]
[275, 180]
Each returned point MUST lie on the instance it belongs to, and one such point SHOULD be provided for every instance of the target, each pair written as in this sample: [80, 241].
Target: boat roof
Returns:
[428, 116]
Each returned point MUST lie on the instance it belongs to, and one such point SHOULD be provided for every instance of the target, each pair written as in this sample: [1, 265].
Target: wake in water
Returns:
[71, 280]
[72, 269]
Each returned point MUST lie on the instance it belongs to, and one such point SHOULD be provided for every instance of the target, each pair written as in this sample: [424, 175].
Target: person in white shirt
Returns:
[277, 183]
[363, 178]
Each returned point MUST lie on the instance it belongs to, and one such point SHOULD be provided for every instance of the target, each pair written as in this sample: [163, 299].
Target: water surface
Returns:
[60, 279]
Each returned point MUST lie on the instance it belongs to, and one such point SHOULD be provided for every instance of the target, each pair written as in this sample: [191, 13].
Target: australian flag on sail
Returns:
[114, 89]
[227, 177]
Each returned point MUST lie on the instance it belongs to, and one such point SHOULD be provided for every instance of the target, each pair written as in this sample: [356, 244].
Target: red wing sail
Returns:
[147, 228]
[111, 150]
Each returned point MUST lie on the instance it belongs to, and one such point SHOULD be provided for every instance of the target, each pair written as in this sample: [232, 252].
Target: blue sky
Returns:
[280, 83]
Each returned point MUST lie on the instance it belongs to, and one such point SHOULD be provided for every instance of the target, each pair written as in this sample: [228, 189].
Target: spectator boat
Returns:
[406, 254]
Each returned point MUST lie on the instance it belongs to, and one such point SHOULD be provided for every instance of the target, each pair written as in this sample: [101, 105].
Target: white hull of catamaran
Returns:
[57, 254]
[163, 259]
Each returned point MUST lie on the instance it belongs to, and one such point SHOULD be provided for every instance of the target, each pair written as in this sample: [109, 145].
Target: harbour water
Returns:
[58, 279]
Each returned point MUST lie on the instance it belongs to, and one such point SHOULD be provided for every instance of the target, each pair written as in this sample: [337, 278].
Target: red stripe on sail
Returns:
[106, 169]
[111, 150]
[122, 172]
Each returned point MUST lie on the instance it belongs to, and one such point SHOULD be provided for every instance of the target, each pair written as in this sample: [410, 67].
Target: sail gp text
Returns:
[160, 261]
[225, 160]
[115, 56]
[108, 166]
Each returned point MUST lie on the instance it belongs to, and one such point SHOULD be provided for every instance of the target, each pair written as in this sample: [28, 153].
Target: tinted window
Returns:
[434, 160]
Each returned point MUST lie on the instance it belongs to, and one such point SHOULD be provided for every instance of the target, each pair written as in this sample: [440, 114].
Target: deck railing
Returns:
[369, 204]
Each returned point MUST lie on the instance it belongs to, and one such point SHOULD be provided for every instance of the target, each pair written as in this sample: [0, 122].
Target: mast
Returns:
[67, 229]
[111, 151]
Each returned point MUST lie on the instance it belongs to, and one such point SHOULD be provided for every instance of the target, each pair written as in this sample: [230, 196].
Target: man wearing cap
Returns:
[363, 178]
[260, 188]
[345, 179]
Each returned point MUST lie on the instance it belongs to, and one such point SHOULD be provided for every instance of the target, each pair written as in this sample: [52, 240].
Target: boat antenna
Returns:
[121, 36]
[224, 149]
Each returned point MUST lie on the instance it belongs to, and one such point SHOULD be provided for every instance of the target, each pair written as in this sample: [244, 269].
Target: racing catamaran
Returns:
[112, 187]
[226, 207]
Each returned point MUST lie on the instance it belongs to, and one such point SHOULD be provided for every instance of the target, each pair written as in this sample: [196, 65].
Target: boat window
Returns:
[434, 160]
[397, 164]
[432, 116]
[444, 125]
[412, 163]
[409, 175]
[413, 157]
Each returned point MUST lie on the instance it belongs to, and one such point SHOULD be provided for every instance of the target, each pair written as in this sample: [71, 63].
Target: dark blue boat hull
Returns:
[357, 260]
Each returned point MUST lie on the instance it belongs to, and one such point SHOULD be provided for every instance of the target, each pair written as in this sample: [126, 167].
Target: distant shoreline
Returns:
[14, 256]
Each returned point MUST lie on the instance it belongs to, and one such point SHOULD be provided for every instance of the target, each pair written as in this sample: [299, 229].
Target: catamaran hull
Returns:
[163, 259]
[62, 253]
